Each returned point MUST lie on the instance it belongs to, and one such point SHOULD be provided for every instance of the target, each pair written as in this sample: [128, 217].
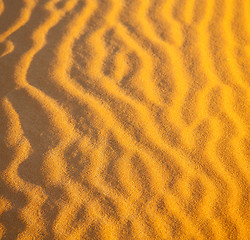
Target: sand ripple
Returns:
[124, 119]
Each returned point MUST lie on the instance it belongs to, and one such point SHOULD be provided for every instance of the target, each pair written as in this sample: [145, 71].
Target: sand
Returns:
[124, 119]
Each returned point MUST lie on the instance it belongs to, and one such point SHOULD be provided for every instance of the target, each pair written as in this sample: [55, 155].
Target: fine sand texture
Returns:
[124, 119]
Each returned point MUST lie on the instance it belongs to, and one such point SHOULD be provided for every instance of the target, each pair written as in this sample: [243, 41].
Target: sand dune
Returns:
[124, 119]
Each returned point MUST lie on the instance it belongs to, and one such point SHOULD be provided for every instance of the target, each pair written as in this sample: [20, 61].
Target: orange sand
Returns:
[124, 119]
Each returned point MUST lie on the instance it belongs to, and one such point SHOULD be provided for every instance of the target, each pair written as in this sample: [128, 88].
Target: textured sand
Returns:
[124, 119]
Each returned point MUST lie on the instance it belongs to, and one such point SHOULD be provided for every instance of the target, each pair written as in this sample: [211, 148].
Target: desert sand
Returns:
[124, 119]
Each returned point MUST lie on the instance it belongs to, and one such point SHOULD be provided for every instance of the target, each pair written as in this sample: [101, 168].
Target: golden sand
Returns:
[124, 119]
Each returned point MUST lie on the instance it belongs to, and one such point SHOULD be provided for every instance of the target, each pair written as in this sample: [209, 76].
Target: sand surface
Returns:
[124, 119]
